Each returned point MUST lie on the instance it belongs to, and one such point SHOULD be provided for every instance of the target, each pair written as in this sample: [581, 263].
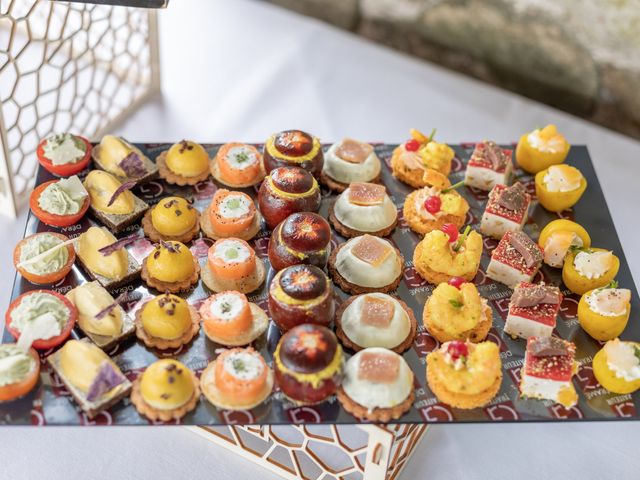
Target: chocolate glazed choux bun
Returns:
[302, 238]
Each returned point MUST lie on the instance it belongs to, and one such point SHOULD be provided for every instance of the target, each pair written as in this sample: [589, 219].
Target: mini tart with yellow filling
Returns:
[366, 264]
[294, 148]
[438, 259]
[301, 294]
[167, 321]
[457, 312]
[238, 165]
[173, 218]
[167, 390]
[238, 379]
[185, 163]
[364, 208]
[231, 214]
[464, 374]
[413, 161]
[170, 267]
[376, 320]
[229, 319]
[377, 385]
[233, 265]
[308, 363]
[430, 208]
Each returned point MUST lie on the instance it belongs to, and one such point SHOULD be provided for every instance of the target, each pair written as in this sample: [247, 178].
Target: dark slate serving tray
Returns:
[51, 404]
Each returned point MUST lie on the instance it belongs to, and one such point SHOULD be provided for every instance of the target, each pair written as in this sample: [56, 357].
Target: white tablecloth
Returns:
[242, 70]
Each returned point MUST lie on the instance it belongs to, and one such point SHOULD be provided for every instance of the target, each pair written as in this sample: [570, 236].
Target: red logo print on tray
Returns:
[625, 408]
[515, 374]
[307, 414]
[151, 190]
[456, 165]
[412, 279]
[200, 247]
[425, 344]
[438, 412]
[569, 307]
[204, 190]
[261, 247]
[494, 337]
[585, 378]
[558, 411]
[240, 417]
[502, 306]
[503, 411]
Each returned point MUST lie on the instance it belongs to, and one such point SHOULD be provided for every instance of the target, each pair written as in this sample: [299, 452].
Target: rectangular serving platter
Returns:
[50, 403]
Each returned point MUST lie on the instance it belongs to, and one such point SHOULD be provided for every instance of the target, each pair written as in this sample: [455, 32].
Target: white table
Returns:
[243, 70]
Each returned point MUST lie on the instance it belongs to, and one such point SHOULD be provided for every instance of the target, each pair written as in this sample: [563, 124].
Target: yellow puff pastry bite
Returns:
[185, 163]
[170, 267]
[94, 380]
[589, 268]
[464, 374]
[412, 161]
[617, 366]
[122, 159]
[430, 208]
[105, 258]
[604, 312]
[456, 311]
[167, 321]
[444, 254]
[541, 148]
[559, 187]
[173, 218]
[100, 316]
[167, 390]
[557, 238]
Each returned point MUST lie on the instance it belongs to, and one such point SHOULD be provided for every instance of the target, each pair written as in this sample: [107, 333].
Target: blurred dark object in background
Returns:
[579, 56]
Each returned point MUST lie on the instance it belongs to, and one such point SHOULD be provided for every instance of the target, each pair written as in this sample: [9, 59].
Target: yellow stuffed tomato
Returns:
[588, 269]
[559, 187]
[617, 366]
[604, 312]
[558, 236]
[541, 148]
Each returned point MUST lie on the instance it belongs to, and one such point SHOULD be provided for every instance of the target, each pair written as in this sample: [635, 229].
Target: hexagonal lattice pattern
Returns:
[315, 452]
[67, 67]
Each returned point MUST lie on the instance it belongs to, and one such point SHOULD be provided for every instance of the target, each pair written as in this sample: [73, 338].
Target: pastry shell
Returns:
[171, 287]
[377, 414]
[162, 343]
[155, 414]
[340, 187]
[175, 178]
[476, 334]
[155, 236]
[349, 232]
[431, 275]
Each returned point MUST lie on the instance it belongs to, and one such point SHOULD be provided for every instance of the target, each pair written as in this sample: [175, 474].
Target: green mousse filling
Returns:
[15, 364]
[36, 305]
[51, 262]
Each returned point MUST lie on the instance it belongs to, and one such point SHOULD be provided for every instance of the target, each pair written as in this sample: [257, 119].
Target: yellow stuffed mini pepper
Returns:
[559, 187]
[541, 148]
[588, 269]
[558, 236]
[617, 366]
[604, 312]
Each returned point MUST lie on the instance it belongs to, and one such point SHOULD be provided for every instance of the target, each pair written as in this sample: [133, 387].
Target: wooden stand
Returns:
[314, 452]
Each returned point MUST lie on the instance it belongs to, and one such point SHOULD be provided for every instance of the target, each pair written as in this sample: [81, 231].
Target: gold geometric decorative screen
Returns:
[67, 67]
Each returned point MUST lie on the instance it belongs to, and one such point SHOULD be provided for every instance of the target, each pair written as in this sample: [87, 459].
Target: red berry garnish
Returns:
[451, 230]
[457, 349]
[456, 282]
[412, 145]
[432, 204]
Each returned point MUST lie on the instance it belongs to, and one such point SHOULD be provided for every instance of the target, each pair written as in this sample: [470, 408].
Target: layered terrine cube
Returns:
[533, 310]
[489, 165]
[506, 210]
[516, 259]
[549, 364]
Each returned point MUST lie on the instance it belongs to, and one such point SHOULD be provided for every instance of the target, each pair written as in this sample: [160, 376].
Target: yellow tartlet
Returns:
[617, 366]
[457, 314]
[170, 267]
[436, 261]
[166, 321]
[173, 218]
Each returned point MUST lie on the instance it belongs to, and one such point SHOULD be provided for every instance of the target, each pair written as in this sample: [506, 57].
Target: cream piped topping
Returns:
[558, 179]
[231, 251]
[244, 365]
[554, 144]
[364, 218]
[366, 335]
[234, 206]
[347, 172]
[592, 264]
[227, 306]
[372, 394]
[610, 302]
[241, 157]
[623, 359]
